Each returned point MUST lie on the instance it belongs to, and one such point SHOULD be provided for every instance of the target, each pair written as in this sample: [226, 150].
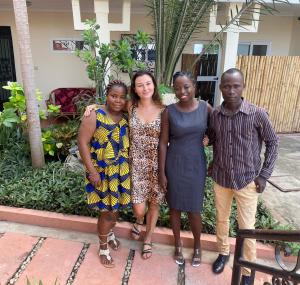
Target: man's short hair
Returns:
[232, 71]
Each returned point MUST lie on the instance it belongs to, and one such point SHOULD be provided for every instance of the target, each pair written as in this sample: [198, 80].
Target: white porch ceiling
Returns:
[65, 5]
[137, 6]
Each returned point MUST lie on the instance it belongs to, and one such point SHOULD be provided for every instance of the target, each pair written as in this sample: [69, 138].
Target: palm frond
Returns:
[177, 21]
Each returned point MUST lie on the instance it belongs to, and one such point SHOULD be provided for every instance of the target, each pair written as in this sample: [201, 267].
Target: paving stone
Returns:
[159, 269]
[92, 272]
[14, 248]
[53, 261]
[203, 275]
[260, 278]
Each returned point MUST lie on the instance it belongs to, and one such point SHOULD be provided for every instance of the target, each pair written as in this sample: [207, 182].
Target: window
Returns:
[142, 53]
[254, 48]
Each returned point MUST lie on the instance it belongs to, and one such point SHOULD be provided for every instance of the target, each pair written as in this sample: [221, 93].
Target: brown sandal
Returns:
[147, 250]
[135, 232]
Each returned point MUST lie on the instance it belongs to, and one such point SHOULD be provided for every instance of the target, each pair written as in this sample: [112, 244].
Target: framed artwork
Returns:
[67, 45]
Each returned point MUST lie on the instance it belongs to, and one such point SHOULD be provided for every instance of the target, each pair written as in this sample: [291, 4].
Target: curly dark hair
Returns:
[135, 97]
[116, 82]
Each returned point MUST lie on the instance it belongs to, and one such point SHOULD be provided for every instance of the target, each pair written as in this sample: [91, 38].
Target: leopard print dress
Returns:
[143, 157]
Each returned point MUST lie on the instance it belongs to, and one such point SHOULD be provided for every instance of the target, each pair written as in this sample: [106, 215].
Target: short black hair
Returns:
[232, 71]
[187, 74]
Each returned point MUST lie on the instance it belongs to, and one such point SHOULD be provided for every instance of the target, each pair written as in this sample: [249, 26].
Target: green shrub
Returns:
[55, 188]
[52, 188]
[58, 139]
[13, 119]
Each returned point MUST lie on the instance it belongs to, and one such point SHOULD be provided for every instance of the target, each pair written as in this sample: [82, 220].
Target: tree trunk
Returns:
[34, 127]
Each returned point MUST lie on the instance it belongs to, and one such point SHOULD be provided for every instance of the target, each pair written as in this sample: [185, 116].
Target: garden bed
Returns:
[58, 189]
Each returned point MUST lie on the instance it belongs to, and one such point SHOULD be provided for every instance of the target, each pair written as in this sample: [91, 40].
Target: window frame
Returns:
[253, 43]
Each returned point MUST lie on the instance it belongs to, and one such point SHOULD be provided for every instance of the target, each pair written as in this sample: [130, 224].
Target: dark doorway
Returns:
[205, 72]
[7, 63]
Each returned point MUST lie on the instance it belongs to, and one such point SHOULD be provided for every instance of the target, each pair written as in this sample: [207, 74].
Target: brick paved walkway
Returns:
[75, 261]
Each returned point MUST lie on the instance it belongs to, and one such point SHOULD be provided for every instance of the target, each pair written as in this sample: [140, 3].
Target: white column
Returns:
[101, 8]
[229, 50]
[78, 25]
[228, 57]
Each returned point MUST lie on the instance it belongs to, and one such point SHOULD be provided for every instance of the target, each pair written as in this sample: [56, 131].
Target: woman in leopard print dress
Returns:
[144, 124]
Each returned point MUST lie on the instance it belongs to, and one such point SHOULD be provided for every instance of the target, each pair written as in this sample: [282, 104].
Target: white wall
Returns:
[52, 69]
[282, 32]
[295, 41]
[274, 29]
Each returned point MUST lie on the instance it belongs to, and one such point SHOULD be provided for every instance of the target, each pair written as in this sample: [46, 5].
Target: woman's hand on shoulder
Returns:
[205, 140]
[209, 108]
[128, 106]
[89, 109]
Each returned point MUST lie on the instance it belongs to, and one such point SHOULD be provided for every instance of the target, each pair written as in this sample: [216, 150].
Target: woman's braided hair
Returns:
[187, 74]
[116, 82]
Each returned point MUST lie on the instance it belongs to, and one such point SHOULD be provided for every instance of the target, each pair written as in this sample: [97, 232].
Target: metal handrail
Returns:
[282, 275]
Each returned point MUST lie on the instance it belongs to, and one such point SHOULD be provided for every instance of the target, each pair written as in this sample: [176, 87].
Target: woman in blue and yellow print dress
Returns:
[103, 144]
[109, 154]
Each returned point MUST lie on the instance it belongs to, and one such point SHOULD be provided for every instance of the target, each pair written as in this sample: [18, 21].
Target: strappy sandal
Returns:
[106, 253]
[196, 260]
[147, 250]
[112, 241]
[178, 257]
[135, 232]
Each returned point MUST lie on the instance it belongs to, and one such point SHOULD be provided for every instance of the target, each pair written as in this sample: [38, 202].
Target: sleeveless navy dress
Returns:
[186, 161]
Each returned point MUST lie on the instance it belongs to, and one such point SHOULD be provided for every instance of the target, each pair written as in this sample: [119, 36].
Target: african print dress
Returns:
[109, 152]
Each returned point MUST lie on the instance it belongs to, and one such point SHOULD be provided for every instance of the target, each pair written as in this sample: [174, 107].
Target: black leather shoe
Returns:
[245, 280]
[219, 264]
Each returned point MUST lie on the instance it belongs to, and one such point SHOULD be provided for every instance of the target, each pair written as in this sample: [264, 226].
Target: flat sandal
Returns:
[135, 232]
[106, 253]
[112, 241]
[179, 259]
[196, 261]
[148, 250]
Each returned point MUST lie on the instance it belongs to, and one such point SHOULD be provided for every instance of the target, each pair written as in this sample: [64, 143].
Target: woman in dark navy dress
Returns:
[182, 161]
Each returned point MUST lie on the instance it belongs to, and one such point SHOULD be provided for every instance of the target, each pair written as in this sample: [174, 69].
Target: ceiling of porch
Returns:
[65, 5]
[116, 5]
